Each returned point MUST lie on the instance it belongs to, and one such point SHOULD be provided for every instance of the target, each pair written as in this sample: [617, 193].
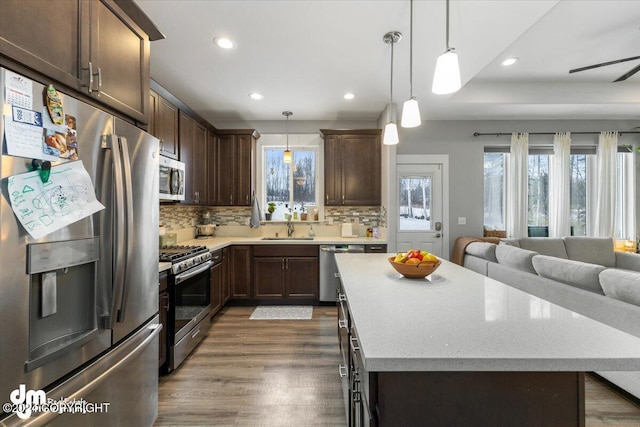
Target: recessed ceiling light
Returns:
[224, 42]
[256, 96]
[349, 96]
[509, 61]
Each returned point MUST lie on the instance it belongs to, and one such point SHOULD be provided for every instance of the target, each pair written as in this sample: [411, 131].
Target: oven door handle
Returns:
[189, 274]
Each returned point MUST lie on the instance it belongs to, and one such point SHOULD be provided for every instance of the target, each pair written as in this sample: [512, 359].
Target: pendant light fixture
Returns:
[410, 109]
[446, 78]
[287, 153]
[390, 136]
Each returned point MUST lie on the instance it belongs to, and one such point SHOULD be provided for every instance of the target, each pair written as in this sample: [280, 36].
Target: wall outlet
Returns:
[462, 220]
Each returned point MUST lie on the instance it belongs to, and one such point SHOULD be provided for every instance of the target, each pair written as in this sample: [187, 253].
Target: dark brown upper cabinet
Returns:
[163, 124]
[234, 165]
[91, 46]
[352, 167]
[193, 152]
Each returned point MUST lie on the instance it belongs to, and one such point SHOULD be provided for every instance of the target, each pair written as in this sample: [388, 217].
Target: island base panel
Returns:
[480, 398]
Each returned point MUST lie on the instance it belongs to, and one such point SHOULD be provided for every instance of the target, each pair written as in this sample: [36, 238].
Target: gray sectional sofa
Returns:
[582, 274]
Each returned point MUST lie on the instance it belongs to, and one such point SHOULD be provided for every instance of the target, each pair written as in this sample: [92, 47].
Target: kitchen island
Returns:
[458, 348]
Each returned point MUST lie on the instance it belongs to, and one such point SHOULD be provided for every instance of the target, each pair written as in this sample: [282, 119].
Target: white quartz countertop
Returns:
[215, 243]
[458, 320]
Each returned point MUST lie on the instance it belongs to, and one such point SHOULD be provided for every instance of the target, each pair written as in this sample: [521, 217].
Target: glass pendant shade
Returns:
[446, 79]
[287, 156]
[390, 134]
[410, 114]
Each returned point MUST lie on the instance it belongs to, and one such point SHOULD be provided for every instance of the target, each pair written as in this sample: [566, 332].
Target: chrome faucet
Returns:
[290, 228]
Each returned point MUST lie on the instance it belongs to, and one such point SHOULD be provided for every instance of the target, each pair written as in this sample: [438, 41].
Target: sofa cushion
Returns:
[514, 257]
[474, 263]
[594, 250]
[544, 246]
[628, 261]
[510, 241]
[623, 285]
[575, 273]
[482, 250]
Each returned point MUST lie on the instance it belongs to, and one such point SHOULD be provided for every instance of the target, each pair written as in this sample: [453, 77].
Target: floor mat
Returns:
[282, 312]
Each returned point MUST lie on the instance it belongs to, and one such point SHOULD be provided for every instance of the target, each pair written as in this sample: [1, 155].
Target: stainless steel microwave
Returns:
[171, 179]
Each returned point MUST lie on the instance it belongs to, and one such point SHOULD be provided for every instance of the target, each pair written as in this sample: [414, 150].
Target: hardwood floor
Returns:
[284, 373]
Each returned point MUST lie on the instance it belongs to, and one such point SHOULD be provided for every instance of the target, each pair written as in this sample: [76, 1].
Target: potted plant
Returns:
[271, 209]
[303, 212]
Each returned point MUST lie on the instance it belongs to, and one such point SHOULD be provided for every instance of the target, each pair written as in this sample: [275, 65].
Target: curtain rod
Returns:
[546, 133]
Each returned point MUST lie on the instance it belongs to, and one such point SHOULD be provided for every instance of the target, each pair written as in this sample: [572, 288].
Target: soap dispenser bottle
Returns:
[311, 232]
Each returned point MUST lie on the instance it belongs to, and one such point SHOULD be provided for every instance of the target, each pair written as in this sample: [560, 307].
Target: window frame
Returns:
[629, 228]
[297, 142]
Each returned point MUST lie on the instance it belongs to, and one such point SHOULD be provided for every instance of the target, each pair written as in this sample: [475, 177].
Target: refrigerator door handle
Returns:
[111, 143]
[127, 190]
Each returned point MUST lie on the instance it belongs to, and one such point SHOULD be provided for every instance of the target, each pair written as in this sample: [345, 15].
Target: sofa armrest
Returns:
[628, 261]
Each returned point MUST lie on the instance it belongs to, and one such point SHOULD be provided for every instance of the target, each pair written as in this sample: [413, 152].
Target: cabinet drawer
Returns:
[285, 250]
[382, 248]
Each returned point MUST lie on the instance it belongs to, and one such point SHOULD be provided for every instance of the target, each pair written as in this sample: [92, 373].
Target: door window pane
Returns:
[415, 203]
[494, 164]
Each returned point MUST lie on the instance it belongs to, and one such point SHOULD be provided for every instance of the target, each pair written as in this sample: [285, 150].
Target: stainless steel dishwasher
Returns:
[329, 276]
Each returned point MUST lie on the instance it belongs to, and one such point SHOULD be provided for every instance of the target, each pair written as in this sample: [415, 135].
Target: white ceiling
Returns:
[303, 55]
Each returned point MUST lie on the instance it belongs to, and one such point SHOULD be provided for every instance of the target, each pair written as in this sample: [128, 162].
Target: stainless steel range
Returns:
[189, 300]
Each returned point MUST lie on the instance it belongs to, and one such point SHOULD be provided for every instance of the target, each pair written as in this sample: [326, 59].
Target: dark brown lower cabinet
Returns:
[240, 272]
[285, 272]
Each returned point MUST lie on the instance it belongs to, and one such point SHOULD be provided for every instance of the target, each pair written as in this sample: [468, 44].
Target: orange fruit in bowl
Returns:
[413, 261]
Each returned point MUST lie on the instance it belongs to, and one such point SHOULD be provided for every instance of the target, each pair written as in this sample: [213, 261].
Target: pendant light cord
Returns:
[287, 132]
[447, 24]
[391, 85]
[411, 52]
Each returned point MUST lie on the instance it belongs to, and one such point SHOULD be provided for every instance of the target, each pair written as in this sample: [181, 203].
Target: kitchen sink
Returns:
[287, 238]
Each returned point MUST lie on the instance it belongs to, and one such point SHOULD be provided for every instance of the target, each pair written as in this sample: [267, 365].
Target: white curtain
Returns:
[604, 221]
[517, 188]
[559, 180]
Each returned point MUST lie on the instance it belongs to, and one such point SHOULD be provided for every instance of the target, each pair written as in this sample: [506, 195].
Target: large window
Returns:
[290, 186]
[582, 170]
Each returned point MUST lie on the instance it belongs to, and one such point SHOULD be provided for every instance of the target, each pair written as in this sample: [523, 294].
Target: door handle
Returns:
[438, 235]
[438, 226]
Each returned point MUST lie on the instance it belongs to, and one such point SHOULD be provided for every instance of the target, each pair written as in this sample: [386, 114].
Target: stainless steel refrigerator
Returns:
[79, 306]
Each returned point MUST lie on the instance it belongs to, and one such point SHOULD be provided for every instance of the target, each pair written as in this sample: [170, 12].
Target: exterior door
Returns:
[419, 206]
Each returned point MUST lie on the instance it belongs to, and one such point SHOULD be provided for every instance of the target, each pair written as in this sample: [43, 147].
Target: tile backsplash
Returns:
[176, 216]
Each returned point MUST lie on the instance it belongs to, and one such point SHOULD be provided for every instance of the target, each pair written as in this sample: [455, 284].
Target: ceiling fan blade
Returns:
[627, 74]
[590, 67]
